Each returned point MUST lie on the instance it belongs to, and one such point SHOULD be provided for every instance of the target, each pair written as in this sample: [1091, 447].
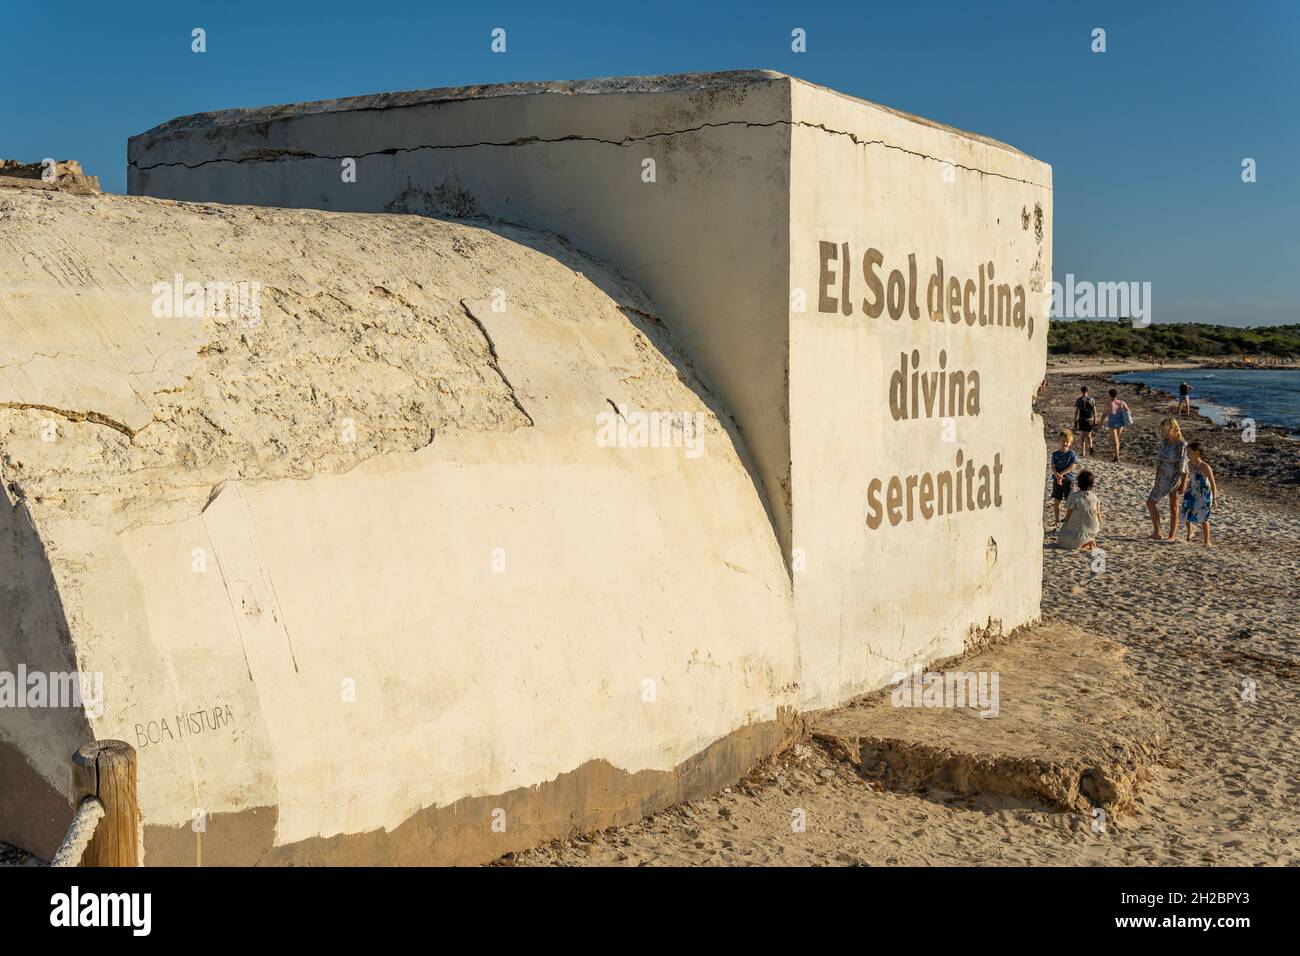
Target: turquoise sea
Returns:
[1269, 396]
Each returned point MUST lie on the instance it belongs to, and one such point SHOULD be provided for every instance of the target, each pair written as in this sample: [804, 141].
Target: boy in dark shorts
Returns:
[1085, 416]
[1064, 461]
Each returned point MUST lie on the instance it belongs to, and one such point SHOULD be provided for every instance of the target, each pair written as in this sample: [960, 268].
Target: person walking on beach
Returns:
[1118, 417]
[1085, 416]
[1184, 397]
[1171, 477]
[1064, 461]
[1198, 500]
[1082, 518]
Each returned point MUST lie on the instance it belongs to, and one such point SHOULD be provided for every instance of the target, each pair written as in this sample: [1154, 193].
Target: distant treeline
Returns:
[1085, 337]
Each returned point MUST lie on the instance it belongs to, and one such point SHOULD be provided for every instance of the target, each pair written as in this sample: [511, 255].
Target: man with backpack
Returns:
[1085, 416]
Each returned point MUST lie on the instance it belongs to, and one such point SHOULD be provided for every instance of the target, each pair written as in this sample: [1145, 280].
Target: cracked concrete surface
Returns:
[416, 399]
[188, 402]
[273, 155]
[708, 235]
[495, 359]
[319, 491]
[714, 193]
[75, 416]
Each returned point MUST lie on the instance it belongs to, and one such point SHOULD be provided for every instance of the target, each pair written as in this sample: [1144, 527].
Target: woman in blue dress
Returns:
[1171, 478]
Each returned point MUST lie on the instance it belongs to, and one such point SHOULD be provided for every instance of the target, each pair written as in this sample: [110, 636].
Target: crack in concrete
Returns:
[261, 155]
[912, 152]
[519, 141]
[75, 416]
[31, 358]
[496, 361]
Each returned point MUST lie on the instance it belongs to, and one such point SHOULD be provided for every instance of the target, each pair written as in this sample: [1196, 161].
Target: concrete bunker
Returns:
[397, 478]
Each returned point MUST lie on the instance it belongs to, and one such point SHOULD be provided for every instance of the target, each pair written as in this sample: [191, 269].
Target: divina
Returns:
[943, 393]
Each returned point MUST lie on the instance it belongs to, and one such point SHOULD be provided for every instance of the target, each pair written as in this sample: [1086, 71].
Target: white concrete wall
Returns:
[707, 239]
[873, 601]
[625, 565]
[469, 682]
[756, 171]
[514, 603]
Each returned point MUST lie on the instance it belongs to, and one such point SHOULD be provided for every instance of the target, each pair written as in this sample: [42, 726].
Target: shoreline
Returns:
[1267, 469]
[1094, 366]
[1221, 416]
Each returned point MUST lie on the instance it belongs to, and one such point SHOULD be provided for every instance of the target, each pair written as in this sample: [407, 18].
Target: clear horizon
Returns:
[1146, 139]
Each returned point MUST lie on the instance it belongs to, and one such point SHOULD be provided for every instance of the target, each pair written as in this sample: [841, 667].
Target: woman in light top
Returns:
[1118, 417]
[1171, 478]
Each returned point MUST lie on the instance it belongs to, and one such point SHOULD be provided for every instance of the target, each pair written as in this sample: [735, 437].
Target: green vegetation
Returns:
[1107, 338]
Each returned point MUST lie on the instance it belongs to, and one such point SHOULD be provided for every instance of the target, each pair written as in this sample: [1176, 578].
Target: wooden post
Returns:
[106, 769]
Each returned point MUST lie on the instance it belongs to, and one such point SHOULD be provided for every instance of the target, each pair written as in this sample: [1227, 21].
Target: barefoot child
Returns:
[1064, 461]
[1082, 517]
[1198, 501]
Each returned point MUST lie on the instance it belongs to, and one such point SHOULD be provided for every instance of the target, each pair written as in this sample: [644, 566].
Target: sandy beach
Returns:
[1201, 629]
[1266, 468]
[1083, 365]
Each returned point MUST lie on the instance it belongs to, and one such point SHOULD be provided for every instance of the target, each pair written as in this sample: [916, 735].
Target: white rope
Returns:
[80, 831]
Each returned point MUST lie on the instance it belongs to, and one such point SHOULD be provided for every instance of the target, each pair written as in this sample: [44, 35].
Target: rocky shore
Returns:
[1267, 468]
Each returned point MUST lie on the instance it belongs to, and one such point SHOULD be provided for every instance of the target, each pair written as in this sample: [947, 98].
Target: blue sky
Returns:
[1146, 140]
